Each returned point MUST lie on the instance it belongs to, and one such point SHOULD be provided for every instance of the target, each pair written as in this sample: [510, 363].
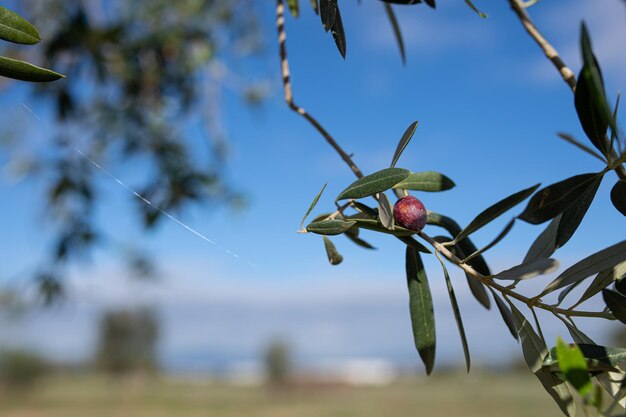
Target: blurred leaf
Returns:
[494, 242]
[338, 33]
[573, 216]
[385, 212]
[618, 196]
[20, 70]
[553, 200]
[406, 136]
[421, 308]
[426, 181]
[357, 240]
[334, 257]
[535, 351]
[545, 244]
[528, 270]
[374, 183]
[14, 28]
[506, 314]
[603, 280]
[616, 302]
[457, 314]
[590, 98]
[574, 366]
[328, 11]
[585, 148]
[599, 261]
[471, 5]
[398, 34]
[294, 7]
[330, 227]
[315, 6]
[312, 206]
[494, 211]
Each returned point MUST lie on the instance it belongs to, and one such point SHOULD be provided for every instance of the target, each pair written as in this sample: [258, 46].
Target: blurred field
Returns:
[473, 395]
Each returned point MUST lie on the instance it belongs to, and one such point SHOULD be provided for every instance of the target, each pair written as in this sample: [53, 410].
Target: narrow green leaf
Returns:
[339, 34]
[618, 196]
[411, 242]
[14, 28]
[574, 366]
[535, 351]
[328, 11]
[377, 226]
[590, 98]
[312, 206]
[545, 244]
[494, 242]
[334, 257]
[426, 181]
[573, 216]
[553, 200]
[353, 235]
[528, 270]
[294, 7]
[421, 308]
[494, 211]
[385, 211]
[471, 5]
[599, 261]
[365, 209]
[375, 183]
[315, 6]
[570, 139]
[457, 314]
[603, 280]
[506, 314]
[461, 249]
[330, 227]
[564, 293]
[405, 139]
[616, 302]
[20, 70]
[397, 33]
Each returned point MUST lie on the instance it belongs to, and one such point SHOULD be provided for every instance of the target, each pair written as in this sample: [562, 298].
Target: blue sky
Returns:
[489, 106]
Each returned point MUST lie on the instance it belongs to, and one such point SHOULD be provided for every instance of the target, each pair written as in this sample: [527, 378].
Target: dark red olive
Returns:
[410, 213]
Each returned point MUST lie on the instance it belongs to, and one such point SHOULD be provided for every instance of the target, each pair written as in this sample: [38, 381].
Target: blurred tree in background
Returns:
[127, 341]
[278, 363]
[143, 88]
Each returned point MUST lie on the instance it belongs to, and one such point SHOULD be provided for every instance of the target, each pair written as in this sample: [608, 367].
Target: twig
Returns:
[548, 49]
[284, 69]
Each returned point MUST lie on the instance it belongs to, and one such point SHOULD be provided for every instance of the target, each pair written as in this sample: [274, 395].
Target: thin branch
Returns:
[548, 49]
[284, 69]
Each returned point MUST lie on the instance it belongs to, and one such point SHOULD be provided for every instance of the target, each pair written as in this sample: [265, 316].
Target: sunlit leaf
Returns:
[492, 212]
[404, 140]
[574, 366]
[20, 70]
[339, 34]
[506, 314]
[421, 308]
[398, 34]
[616, 302]
[294, 7]
[330, 227]
[374, 183]
[599, 261]
[528, 270]
[457, 315]
[573, 216]
[312, 206]
[385, 211]
[553, 200]
[618, 196]
[425, 181]
[14, 28]
[334, 257]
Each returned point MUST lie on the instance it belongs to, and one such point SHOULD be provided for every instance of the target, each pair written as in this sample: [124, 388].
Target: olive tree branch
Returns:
[284, 69]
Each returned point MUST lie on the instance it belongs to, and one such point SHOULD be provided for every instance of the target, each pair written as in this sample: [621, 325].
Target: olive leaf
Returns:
[294, 7]
[334, 257]
[425, 181]
[616, 302]
[506, 314]
[573, 216]
[385, 211]
[328, 11]
[408, 133]
[20, 70]
[545, 244]
[573, 365]
[339, 34]
[330, 227]
[398, 34]
[374, 183]
[313, 204]
[618, 196]
[529, 269]
[14, 28]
